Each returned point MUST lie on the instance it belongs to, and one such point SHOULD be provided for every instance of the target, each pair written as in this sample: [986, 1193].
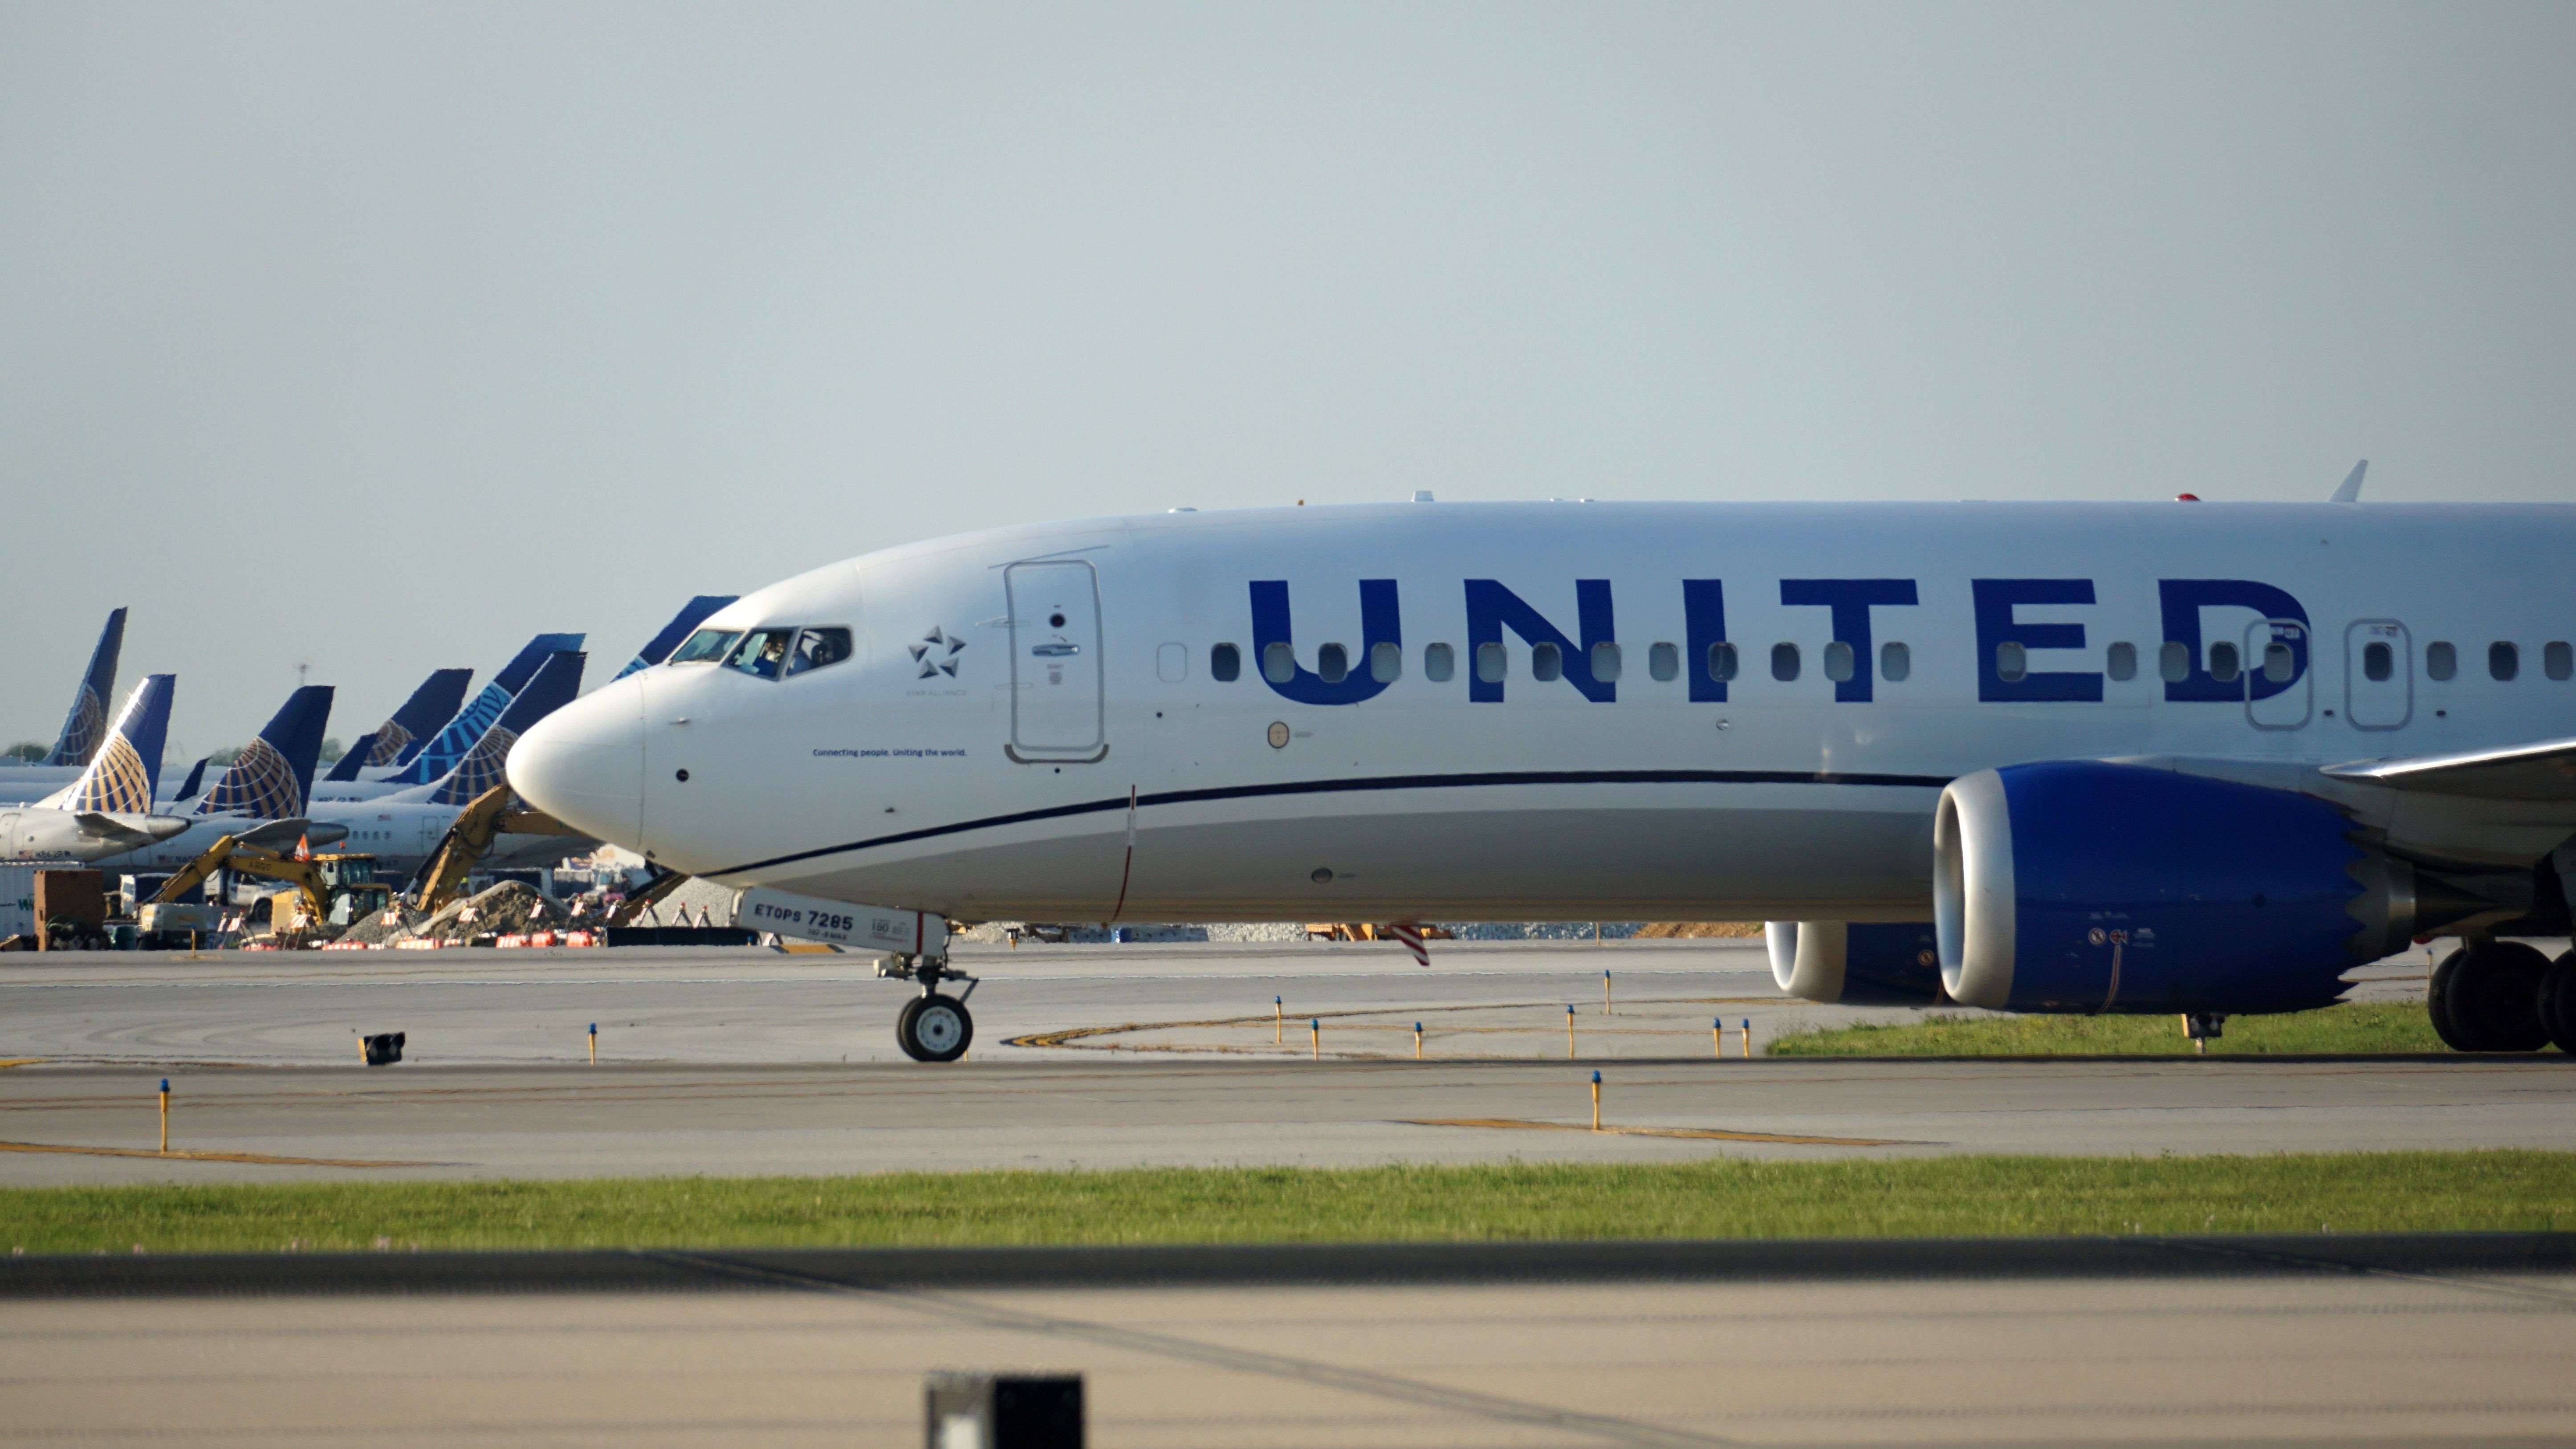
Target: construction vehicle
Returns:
[494, 813]
[330, 888]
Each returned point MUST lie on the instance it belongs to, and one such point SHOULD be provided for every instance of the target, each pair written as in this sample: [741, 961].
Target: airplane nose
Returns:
[584, 765]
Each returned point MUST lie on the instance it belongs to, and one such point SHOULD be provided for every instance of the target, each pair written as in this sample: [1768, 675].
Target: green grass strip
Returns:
[2375, 1028]
[1718, 1198]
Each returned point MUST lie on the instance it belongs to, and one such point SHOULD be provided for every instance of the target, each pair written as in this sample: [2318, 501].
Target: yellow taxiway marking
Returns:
[1706, 1134]
[259, 1157]
[20, 1062]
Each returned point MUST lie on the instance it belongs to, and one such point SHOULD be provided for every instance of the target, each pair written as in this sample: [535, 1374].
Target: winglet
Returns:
[2350, 492]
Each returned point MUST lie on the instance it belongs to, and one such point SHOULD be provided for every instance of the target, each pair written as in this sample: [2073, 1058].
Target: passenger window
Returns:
[2277, 662]
[704, 647]
[2012, 661]
[2223, 665]
[1491, 663]
[1439, 663]
[1278, 663]
[2557, 660]
[1605, 662]
[1721, 661]
[1784, 662]
[2173, 661]
[1664, 662]
[763, 652]
[816, 648]
[2441, 661]
[1895, 662]
[2378, 662]
[1838, 661]
[2121, 662]
[1226, 663]
[1386, 662]
[1333, 663]
[2503, 660]
[1546, 662]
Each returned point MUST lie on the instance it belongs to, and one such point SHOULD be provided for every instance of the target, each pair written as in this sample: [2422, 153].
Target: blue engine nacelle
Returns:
[1855, 963]
[2082, 886]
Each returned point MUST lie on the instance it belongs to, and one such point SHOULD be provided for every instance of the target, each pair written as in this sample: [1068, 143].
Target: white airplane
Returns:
[108, 810]
[84, 725]
[2182, 757]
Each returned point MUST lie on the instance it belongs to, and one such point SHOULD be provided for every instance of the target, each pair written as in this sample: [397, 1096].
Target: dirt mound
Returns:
[507, 909]
[1698, 930]
[371, 930]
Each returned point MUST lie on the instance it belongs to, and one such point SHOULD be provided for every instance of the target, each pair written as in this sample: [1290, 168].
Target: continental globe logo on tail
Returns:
[260, 783]
[483, 767]
[117, 781]
[81, 732]
[389, 744]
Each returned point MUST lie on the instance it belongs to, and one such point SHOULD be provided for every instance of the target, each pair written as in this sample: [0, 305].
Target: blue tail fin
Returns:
[86, 725]
[690, 616]
[273, 776]
[196, 780]
[481, 769]
[430, 706]
[127, 769]
[346, 767]
[442, 754]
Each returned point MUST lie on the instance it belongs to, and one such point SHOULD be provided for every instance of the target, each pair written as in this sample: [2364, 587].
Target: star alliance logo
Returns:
[937, 654]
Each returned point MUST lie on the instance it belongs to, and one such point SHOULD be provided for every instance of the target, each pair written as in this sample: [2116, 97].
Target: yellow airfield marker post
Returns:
[165, 1114]
[1569, 1033]
[594, 1043]
[1605, 993]
[1417, 1041]
[1717, 1035]
[1316, 1026]
[1596, 1099]
[1748, 1038]
[1278, 1022]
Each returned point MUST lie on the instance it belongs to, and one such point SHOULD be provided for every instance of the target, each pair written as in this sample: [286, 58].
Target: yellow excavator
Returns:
[335, 888]
[494, 813]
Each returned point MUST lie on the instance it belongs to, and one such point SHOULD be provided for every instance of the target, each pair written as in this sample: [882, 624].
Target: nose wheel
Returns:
[932, 1027]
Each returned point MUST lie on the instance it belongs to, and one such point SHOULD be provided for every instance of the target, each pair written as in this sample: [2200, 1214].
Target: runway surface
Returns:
[731, 1063]
[2417, 1354]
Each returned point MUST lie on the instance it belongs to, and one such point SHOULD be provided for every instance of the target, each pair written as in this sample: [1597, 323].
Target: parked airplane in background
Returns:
[2182, 757]
[390, 744]
[431, 758]
[260, 799]
[108, 809]
[84, 725]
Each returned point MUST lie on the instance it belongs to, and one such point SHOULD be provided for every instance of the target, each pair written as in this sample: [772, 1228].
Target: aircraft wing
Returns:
[101, 826]
[2543, 772]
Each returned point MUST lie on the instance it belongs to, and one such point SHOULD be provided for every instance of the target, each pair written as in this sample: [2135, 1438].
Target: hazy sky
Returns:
[379, 337]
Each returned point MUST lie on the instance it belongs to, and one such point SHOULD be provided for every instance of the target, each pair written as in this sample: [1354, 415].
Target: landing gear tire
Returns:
[2491, 993]
[2437, 1004]
[934, 1028]
[2558, 1002]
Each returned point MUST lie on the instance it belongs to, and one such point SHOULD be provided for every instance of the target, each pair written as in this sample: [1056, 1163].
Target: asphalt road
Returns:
[2414, 1357]
[733, 1063]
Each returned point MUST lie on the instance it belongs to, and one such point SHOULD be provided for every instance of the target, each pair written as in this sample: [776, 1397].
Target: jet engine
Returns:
[1855, 963]
[2079, 886]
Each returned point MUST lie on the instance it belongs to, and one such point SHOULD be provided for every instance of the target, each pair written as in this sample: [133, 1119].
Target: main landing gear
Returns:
[932, 1028]
[2504, 996]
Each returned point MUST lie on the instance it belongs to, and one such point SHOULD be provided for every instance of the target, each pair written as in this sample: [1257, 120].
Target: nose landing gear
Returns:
[933, 1027]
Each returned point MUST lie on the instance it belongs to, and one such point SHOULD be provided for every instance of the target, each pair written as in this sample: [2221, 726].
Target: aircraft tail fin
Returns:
[442, 754]
[346, 767]
[553, 687]
[272, 778]
[127, 768]
[86, 726]
[660, 646]
[2350, 491]
[431, 705]
[196, 781]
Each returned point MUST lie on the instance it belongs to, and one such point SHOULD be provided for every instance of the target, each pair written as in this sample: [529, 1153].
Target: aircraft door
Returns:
[2280, 687]
[1056, 671]
[2378, 674]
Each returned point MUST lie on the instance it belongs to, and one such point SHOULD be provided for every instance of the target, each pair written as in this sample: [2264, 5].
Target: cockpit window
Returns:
[818, 647]
[704, 647]
[763, 652]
